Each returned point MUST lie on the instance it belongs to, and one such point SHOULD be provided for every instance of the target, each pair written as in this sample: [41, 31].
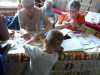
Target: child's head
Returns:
[74, 7]
[53, 40]
[28, 5]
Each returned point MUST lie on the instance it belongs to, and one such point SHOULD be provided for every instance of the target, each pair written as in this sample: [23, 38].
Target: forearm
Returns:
[37, 27]
[4, 35]
[59, 25]
[48, 25]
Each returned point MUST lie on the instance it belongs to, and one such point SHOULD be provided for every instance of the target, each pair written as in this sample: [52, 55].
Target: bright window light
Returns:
[8, 3]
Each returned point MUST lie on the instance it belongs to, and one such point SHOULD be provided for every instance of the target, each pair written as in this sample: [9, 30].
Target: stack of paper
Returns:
[93, 17]
[72, 44]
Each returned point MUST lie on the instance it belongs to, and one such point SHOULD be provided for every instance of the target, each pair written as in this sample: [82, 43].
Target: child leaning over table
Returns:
[42, 60]
[73, 19]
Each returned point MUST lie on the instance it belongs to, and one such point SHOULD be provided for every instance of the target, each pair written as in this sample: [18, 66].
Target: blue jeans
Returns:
[1, 64]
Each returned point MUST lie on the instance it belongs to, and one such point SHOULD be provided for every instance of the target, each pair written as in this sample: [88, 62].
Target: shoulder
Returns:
[49, 57]
[37, 10]
[81, 15]
[81, 18]
[30, 47]
[21, 12]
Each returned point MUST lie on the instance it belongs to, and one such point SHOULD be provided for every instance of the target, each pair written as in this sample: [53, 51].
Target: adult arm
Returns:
[4, 35]
[48, 25]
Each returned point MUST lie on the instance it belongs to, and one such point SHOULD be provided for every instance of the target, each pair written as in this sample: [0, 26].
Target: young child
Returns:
[42, 60]
[73, 19]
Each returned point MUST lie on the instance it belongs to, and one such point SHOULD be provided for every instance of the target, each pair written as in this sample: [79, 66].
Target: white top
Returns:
[41, 62]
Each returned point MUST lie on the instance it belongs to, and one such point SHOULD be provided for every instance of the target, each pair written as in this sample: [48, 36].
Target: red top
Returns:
[66, 17]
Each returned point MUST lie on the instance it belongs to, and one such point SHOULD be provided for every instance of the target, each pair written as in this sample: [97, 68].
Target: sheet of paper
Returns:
[81, 43]
[72, 44]
[65, 31]
[93, 17]
[94, 40]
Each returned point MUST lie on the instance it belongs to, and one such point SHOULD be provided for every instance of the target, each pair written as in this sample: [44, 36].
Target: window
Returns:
[8, 3]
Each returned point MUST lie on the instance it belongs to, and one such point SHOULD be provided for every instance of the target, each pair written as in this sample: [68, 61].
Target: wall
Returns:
[8, 11]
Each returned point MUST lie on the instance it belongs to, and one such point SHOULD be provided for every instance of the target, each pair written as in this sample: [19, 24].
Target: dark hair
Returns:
[74, 5]
[54, 38]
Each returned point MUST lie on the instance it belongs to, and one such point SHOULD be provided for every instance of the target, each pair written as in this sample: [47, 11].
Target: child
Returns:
[42, 61]
[72, 19]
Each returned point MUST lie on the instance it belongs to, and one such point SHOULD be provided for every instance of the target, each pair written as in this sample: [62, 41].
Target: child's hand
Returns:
[65, 23]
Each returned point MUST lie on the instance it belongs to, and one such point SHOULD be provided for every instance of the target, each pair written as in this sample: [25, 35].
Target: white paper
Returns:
[93, 17]
[72, 44]
[81, 43]
[65, 31]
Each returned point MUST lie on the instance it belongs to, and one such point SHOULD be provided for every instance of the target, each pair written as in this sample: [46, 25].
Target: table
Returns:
[17, 59]
[82, 56]
[80, 43]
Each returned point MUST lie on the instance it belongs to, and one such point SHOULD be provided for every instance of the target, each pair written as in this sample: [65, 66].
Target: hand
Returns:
[12, 34]
[28, 38]
[38, 37]
[66, 23]
[97, 34]
[1, 18]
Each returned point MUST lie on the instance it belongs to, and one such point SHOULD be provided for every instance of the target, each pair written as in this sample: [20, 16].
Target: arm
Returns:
[21, 19]
[61, 23]
[37, 19]
[4, 35]
[58, 25]
[48, 25]
[32, 51]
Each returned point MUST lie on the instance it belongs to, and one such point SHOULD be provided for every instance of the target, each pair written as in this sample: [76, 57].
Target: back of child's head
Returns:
[54, 38]
[74, 5]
